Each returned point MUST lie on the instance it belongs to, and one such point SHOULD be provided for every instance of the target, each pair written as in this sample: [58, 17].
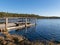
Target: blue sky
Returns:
[40, 7]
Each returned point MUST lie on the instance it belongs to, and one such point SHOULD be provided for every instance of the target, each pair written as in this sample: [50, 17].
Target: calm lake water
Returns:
[46, 29]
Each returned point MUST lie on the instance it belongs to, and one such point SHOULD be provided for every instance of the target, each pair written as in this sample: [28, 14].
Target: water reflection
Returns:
[26, 29]
[44, 30]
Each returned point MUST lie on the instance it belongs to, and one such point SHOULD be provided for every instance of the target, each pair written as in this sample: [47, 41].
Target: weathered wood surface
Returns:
[20, 26]
[14, 26]
[9, 24]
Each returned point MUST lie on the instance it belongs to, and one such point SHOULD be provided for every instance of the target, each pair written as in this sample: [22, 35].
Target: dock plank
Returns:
[12, 26]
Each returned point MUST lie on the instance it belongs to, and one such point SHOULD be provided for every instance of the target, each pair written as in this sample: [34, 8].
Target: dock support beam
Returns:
[6, 23]
[25, 22]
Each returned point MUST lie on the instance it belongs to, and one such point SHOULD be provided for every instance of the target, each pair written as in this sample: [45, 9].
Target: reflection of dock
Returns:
[17, 25]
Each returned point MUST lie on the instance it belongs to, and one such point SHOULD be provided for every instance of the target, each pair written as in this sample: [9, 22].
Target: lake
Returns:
[45, 29]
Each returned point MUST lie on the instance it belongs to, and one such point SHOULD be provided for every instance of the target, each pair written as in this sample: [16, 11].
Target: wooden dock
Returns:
[11, 26]
[20, 26]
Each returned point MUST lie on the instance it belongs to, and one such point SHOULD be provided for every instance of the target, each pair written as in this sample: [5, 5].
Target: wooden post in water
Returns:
[6, 23]
[35, 21]
[25, 22]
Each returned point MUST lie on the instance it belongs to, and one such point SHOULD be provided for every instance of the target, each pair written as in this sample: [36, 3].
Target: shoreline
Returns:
[7, 39]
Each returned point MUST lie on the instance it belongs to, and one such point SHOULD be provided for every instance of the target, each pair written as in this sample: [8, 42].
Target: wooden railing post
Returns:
[25, 21]
[6, 23]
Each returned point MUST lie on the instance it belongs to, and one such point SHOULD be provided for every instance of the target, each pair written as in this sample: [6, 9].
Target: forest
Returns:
[4, 14]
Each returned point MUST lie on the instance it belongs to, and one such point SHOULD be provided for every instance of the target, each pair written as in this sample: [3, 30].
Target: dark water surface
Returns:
[46, 29]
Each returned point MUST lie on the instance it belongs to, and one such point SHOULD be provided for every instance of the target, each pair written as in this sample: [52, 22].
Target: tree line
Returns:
[4, 14]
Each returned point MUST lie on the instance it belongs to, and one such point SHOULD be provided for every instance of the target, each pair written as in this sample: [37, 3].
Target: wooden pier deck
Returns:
[18, 25]
[12, 26]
